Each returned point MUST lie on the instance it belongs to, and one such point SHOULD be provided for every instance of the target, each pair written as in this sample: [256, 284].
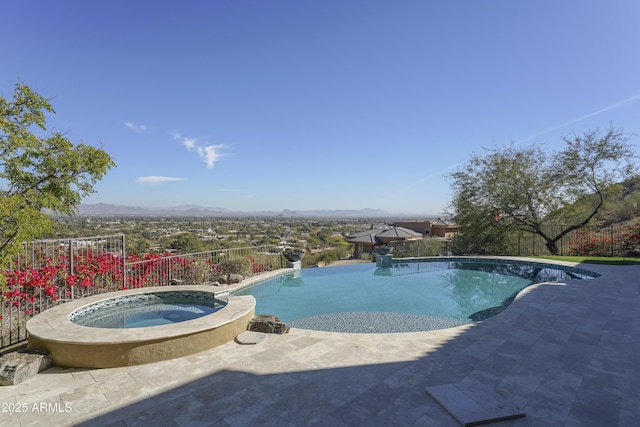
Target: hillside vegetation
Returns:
[622, 207]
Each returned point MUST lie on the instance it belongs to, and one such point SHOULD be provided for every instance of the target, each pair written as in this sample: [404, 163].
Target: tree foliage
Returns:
[525, 188]
[185, 243]
[39, 175]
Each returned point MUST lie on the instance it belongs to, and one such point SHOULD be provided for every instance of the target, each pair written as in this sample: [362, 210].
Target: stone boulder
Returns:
[229, 279]
[18, 366]
[268, 323]
[235, 278]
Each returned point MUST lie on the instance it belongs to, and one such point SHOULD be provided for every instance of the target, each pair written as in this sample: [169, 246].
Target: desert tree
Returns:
[40, 174]
[526, 188]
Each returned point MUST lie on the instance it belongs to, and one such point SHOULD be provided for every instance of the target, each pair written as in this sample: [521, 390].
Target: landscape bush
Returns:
[235, 265]
[593, 243]
[327, 256]
[427, 246]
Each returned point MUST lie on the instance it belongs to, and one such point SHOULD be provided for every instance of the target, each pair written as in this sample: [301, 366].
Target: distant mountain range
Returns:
[103, 209]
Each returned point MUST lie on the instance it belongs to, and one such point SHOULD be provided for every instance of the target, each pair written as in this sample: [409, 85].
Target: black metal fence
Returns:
[607, 241]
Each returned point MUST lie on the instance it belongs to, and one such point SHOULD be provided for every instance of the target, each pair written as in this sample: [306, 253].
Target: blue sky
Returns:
[271, 105]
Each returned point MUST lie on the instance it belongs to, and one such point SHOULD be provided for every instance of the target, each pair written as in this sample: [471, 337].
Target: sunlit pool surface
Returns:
[144, 310]
[407, 297]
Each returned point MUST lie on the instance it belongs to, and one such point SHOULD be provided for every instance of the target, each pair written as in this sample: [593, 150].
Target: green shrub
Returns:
[420, 248]
[326, 257]
[366, 256]
[235, 265]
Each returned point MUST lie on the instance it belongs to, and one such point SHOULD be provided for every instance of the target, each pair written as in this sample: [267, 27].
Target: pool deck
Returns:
[564, 354]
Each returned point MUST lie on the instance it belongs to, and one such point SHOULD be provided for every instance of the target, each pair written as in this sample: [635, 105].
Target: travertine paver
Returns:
[567, 354]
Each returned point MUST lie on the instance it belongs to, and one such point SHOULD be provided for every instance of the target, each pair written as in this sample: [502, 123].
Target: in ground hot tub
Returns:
[147, 309]
[138, 326]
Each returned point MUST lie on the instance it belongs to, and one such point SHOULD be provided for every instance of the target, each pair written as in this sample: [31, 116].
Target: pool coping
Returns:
[77, 346]
[54, 324]
[64, 329]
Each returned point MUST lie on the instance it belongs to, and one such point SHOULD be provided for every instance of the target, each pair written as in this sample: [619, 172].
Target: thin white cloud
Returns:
[190, 143]
[537, 134]
[157, 179]
[209, 154]
[579, 119]
[135, 127]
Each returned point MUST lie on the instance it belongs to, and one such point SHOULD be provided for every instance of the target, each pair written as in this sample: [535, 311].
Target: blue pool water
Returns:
[149, 309]
[160, 314]
[412, 296]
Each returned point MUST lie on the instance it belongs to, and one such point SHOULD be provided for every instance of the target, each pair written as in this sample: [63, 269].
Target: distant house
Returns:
[438, 228]
[365, 241]
[400, 231]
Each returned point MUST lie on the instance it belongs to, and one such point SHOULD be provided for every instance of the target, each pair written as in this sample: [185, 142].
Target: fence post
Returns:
[124, 262]
[71, 269]
[611, 236]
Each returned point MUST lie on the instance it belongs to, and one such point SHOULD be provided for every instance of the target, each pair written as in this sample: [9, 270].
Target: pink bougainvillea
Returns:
[31, 288]
[589, 243]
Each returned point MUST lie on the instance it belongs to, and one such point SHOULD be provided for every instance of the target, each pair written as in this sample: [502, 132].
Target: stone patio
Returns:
[564, 354]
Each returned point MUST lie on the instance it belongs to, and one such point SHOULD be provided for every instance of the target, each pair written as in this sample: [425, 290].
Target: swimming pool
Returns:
[409, 296]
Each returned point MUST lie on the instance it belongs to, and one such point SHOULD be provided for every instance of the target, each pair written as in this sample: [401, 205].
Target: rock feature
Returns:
[235, 278]
[19, 366]
[229, 279]
[268, 324]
